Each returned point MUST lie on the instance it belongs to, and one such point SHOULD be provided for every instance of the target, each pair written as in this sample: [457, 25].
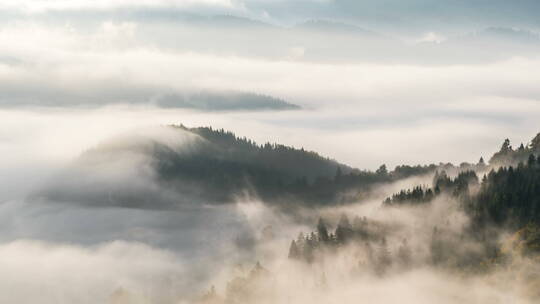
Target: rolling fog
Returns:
[375, 84]
[83, 250]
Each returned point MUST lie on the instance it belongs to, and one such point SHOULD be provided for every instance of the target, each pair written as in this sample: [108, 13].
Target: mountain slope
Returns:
[174, 165]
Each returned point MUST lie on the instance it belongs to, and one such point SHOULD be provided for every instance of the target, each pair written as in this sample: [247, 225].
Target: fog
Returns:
[347, 275]
[87, 89]
[62, 251]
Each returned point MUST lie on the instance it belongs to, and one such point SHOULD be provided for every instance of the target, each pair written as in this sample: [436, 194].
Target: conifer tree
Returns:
[294, 252]
[531, 161]
[322, 232]
[344, 229]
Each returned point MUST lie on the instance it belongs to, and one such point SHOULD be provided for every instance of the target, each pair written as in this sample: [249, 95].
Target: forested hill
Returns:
[291, 162]
[502, 210]
[226, 165]
[180, 164]
[204, 165]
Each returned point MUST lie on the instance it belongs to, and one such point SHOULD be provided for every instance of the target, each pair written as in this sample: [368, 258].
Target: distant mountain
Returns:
[235, 21]
[232, 101]
[510, 36]
[335, 27]
[203, 100]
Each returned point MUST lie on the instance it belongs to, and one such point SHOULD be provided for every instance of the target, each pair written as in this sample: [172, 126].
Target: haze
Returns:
[88, 88]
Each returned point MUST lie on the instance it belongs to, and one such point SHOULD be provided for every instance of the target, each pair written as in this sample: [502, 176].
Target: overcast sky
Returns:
[404, 14]
[436, 82]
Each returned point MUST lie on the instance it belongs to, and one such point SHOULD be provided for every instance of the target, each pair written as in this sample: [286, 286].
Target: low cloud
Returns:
[82, 76]
[36, 271]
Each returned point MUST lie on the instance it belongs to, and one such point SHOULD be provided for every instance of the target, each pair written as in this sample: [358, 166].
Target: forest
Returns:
[226, 165]
[499, 229]
[314, 219]
[269, 151]
[506, 198]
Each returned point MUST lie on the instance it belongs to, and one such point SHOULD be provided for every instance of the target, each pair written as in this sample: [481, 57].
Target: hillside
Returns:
[226, 166]
[487, 227]
[175, 165]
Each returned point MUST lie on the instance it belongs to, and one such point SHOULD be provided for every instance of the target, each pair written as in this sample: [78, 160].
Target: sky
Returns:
[371, 87]
[386, 81]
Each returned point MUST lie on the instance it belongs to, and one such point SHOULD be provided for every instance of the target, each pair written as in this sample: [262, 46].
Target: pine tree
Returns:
[535, 144]
[294, 252]
[506, 147]
[481, 164]
[344, 230]
[531, 161]
[382, 170]
[322, 232]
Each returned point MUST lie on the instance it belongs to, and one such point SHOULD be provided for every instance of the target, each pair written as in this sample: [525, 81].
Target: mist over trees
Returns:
[502, 228]
[507, 155]
[471, 218]
[276, 173]
[216, 166]
[219, 166]
[269, 152]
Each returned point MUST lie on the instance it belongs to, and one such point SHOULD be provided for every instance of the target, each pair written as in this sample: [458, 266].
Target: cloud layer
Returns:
[378, 82]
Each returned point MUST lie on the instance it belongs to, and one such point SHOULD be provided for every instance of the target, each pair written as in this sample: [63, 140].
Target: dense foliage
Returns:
[225, 165]
[507, 198]
[509, 195]
[442, 183]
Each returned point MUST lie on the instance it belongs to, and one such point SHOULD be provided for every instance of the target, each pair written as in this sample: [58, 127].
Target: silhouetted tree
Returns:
[322, 232]
[294, 252]
[531, 161]
[344, 230]
[382, 170]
